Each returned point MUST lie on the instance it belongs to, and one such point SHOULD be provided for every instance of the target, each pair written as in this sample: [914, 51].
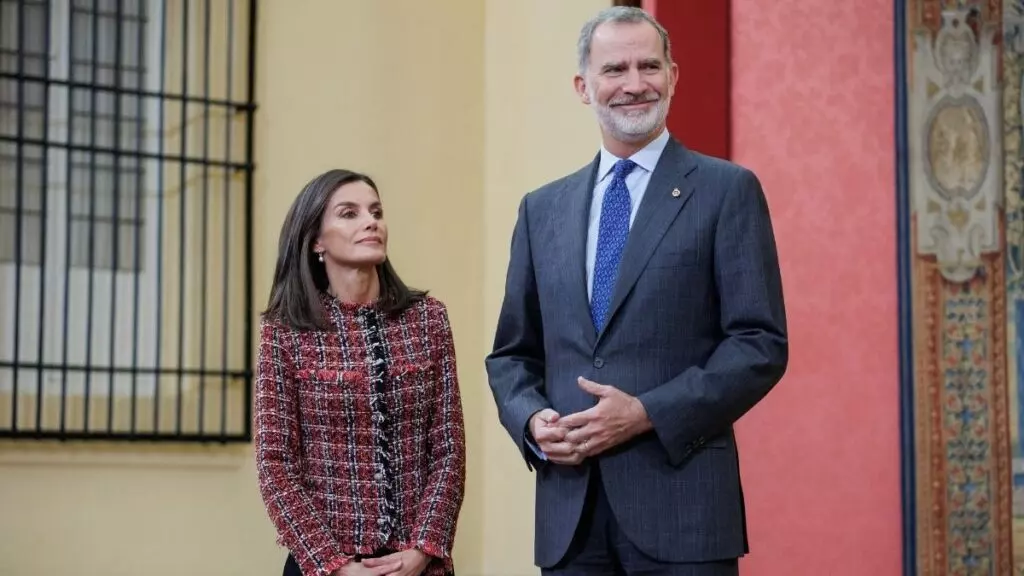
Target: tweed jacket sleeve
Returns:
[298, 522]
[446, 439]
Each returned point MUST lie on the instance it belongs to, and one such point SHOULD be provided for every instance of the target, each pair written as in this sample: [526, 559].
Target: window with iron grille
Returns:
[125, 218]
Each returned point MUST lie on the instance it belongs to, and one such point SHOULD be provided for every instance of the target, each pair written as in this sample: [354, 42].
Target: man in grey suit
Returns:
[643, 316]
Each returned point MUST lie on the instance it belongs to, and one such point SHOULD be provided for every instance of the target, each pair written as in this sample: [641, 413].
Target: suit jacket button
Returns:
[598, 362]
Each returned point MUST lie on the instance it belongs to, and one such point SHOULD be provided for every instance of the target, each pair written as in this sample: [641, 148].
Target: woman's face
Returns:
[353, 233]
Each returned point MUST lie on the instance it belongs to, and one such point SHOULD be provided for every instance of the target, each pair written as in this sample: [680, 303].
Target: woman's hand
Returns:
[377, 569]
[411, 562]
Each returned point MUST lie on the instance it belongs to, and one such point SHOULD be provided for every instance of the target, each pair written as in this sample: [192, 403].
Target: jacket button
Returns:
[598, 362]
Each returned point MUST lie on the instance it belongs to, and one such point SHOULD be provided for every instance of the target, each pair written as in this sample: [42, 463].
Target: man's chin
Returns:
[634, 136]
[634, 131]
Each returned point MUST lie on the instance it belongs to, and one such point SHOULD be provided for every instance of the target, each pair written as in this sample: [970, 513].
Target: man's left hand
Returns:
[413, 562]
[616, 418]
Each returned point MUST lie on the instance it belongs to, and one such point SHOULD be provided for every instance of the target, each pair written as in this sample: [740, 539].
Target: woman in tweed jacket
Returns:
[360, 442]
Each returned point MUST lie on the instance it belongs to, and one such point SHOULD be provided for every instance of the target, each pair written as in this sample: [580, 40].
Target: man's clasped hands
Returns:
[615, 418]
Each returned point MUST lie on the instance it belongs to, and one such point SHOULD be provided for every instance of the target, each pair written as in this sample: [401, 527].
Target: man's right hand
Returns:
[550, 438]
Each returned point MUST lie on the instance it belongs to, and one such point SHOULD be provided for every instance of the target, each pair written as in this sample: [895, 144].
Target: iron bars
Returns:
[126, 177]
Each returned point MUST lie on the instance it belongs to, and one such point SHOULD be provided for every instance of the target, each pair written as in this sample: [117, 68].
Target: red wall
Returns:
[811, 112]
[699, 27]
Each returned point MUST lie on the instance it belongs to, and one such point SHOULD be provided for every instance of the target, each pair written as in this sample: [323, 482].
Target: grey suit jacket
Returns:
[696, 330]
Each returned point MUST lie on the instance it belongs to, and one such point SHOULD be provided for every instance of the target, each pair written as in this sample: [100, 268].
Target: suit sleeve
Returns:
[299, 523]
[446, 440]
[515, 366]
[704, 402]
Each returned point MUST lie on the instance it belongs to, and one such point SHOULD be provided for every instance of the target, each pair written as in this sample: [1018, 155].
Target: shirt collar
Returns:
[646, 158]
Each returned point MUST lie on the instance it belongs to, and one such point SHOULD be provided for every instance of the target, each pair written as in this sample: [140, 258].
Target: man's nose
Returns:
[634, 83]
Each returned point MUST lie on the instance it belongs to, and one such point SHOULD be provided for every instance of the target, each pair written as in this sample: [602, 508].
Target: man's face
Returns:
[628, 81]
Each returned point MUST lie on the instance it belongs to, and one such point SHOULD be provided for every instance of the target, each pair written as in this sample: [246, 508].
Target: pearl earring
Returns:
[321, 255]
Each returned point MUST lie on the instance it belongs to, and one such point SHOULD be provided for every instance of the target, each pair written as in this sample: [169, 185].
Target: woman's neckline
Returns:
[350, 306]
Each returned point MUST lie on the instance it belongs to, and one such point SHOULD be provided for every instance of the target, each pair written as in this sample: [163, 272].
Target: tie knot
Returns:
[622, 168]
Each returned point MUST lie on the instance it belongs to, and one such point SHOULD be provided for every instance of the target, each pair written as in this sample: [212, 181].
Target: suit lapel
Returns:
[579, 192]
[658, 209]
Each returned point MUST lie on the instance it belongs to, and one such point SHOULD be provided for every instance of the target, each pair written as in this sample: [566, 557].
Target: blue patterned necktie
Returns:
[611, 239]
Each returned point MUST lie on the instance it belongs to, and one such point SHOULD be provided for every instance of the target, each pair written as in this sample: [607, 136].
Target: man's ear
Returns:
[581, 89]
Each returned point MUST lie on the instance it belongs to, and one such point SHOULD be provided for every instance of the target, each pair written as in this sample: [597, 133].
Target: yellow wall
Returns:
[457, 107]
[536, 131]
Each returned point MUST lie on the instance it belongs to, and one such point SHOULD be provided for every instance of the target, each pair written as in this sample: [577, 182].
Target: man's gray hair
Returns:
[618, 15]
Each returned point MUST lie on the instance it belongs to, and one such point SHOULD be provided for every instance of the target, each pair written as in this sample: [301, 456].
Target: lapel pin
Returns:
[676, 193]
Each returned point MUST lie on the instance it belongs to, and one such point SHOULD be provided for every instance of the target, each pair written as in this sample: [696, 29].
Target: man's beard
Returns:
[631, 126]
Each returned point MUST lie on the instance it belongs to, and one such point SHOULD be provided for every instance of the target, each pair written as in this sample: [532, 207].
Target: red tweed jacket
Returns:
[360, 442]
